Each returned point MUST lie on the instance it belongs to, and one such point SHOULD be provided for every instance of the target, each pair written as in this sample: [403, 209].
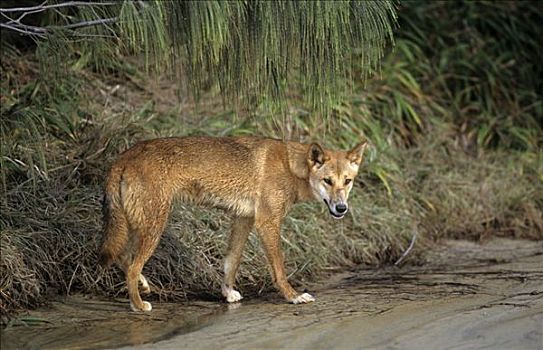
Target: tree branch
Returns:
[43, 6]
[16, 25]
[22, 30]
[89, 23]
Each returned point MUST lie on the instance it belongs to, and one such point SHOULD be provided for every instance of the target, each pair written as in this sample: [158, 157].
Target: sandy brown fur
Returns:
[255, 179]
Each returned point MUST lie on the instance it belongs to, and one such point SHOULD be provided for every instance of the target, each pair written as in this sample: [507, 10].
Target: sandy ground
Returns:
[468, 296]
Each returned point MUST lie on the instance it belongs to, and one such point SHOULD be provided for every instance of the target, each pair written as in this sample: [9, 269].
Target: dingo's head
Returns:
[331, 175]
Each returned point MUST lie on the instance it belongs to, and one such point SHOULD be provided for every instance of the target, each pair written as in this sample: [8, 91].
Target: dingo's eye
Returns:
[328, 181]
[348, 181]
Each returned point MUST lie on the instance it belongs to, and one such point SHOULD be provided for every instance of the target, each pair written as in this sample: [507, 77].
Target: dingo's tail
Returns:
[115, 223]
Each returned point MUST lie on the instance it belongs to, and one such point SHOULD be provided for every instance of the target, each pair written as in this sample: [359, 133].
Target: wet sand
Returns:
[468, 296]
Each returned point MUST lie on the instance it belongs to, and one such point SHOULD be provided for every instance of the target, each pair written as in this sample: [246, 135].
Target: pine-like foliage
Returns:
[251, 49]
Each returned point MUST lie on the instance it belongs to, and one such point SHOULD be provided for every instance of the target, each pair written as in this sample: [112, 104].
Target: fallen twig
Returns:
[411, 244]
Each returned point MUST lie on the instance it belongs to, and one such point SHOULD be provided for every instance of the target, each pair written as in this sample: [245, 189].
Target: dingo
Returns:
[256, 179]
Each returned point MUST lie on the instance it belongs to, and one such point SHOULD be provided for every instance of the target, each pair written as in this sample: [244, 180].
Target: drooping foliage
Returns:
[251, 50]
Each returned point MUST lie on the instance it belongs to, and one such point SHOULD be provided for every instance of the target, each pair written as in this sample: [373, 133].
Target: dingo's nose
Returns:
[341, 208]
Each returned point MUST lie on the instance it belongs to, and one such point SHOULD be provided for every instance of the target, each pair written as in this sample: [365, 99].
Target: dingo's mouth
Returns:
[337, 216]
[334, 215]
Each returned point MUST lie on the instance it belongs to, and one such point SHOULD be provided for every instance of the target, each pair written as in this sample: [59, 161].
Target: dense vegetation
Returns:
[454, 116]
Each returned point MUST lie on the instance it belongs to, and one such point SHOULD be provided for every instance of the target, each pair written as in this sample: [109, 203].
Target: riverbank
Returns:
[466, 295]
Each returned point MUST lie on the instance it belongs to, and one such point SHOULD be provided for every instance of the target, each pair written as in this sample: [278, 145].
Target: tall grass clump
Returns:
[457, 116]
[52, 164]
[474, 65]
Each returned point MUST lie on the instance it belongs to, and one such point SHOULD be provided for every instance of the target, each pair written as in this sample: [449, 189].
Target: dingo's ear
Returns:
[356, 154]
[316, 155]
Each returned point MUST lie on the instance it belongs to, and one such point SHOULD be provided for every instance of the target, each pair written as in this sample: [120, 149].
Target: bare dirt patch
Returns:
[468, 295]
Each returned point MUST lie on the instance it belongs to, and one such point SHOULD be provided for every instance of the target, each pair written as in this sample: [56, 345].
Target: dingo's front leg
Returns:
[269, 230]
[238, 237]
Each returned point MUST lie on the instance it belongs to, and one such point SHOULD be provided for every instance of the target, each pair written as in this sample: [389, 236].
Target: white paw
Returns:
[303, 299]
[231, 294]
[146, 307]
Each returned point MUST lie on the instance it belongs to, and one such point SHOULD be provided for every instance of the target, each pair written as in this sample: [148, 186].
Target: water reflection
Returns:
[106, 324]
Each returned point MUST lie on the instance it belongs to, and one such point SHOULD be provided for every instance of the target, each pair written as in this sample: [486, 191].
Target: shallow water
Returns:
[467, 296]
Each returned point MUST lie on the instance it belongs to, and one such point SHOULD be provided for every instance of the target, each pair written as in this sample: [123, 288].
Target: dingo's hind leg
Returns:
[132, 277]
[148, 229]
[241, 228]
